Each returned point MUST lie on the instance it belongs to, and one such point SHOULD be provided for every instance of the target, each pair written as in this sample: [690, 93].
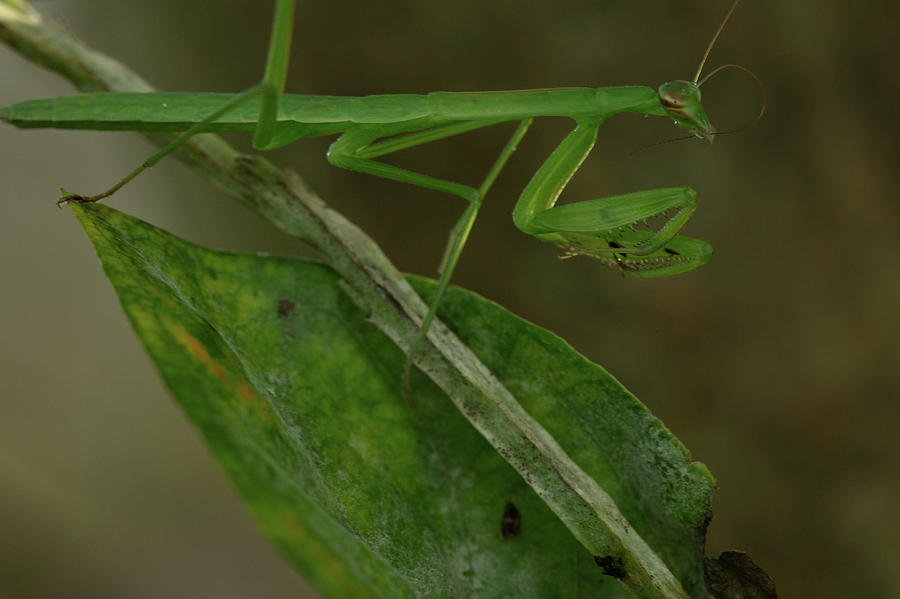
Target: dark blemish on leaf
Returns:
[612, 566]
[285, 308]
[511, 522]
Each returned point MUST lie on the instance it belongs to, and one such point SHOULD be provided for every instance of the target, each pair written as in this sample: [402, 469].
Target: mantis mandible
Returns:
[373, 126]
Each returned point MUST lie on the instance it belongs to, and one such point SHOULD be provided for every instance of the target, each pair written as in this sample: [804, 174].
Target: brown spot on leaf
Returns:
[511, 522]
[285, 308]
[198, 350]
[246, 393]
[233, 384]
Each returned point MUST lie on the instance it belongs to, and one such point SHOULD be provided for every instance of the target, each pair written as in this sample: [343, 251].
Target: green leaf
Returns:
[369, 495]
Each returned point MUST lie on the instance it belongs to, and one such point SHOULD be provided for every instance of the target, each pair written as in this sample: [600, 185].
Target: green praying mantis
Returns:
[370, 127]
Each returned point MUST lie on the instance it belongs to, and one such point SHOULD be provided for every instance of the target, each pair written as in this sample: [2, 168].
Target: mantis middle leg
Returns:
[356, 149]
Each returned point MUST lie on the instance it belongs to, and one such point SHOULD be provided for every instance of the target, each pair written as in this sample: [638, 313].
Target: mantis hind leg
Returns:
[604, 228]
[358, 147]
[457, 239]
[460, 231]
[173, 145]
[269, 88]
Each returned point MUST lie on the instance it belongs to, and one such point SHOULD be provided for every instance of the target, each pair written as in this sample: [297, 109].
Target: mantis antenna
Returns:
[699, 82]
[712, 42]
[709, 48]
[762, 88]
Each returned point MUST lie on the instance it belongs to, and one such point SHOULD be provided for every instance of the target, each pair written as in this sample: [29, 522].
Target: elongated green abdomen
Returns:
[312, 115]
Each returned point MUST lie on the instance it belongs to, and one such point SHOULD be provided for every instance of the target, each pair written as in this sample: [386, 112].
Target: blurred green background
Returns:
[776, 364]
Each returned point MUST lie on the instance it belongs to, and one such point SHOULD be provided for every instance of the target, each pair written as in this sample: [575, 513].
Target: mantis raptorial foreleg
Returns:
[601, 226]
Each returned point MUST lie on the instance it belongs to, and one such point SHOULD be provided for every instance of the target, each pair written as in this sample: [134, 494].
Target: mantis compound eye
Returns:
[673, 101]
[681, 101]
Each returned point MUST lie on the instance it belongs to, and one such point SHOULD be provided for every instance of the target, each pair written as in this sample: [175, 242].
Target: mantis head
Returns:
[681, 100]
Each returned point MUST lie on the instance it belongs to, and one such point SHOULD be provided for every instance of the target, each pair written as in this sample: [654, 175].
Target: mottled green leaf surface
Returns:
[368, 496]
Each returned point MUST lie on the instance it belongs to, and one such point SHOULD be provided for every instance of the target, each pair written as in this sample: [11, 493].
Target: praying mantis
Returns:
[370, 127]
